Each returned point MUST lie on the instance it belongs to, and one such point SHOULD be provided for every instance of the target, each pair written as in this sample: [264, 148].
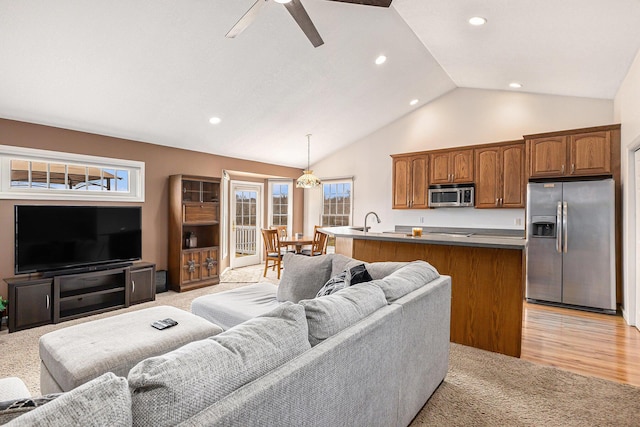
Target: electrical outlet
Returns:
[518, 221]
[421, 220]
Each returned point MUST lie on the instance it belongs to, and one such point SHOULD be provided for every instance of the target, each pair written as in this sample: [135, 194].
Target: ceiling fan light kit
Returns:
[299, 14]
[308, 179]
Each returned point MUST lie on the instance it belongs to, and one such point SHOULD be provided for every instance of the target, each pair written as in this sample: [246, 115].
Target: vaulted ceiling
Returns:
[158, 70]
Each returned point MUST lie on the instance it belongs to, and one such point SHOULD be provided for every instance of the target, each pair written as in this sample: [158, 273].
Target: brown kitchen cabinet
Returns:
[499, 175]
[582, 152]
[451, 166]
[410, 185]
[194, 232]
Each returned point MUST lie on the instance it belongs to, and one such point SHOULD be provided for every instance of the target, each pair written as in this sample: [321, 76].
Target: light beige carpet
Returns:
[490, 389]
[481, 388]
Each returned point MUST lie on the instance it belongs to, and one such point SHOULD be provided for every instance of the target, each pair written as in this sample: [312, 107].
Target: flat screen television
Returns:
[50, 238]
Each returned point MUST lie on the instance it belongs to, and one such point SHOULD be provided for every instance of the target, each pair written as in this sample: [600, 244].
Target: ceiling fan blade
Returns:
[297, 10]
[381, 3]
[246, 19]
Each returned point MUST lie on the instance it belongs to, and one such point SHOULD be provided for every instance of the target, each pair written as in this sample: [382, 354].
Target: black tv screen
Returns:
[57, 237]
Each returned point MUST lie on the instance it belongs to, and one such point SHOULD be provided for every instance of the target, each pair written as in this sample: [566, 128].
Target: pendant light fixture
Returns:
[308, 180]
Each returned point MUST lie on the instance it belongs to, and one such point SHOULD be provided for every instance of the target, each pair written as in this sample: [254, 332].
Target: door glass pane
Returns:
[246, 225]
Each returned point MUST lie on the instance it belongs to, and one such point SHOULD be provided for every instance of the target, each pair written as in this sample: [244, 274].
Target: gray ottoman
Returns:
[230, 308]
[75, 355]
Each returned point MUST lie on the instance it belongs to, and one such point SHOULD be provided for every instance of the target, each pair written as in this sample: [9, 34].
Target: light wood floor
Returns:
[598, 345]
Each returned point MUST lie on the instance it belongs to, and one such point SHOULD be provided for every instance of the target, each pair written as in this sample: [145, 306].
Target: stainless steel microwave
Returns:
[451, 195]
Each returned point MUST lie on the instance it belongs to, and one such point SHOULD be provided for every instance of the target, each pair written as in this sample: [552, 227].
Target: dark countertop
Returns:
[488, 238]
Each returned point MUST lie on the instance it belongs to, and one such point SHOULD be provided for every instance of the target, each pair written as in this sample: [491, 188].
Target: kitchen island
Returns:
[486, 269]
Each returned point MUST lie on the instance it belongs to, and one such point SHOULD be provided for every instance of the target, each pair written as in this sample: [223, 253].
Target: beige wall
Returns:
[160, 162]
[627, 112]
[461, 117]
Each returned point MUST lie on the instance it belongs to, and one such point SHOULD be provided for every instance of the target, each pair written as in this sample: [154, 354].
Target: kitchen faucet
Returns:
[365, 219]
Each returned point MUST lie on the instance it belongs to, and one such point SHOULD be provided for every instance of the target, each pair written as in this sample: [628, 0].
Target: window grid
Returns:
[280, 204]
[336, 203]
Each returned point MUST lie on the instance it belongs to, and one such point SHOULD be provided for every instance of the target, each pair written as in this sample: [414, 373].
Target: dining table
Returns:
[296, 241]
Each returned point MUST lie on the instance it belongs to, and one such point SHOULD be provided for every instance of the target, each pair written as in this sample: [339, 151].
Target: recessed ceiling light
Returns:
[515, 85]
[413, 102]
[215, 120]
[283, 1]
[381, 60]
[477, 20]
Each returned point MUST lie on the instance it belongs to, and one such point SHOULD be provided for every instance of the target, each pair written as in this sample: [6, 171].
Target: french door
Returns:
[637, 284]
[246, 221]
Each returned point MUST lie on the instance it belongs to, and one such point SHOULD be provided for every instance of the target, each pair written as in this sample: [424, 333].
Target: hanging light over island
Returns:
[308, 179]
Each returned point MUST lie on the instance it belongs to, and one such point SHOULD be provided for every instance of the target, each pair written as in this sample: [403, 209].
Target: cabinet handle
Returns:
[573, 167]
[48, 299]
[500, 201]
[133, 286]
[562, 168]
[497, 202]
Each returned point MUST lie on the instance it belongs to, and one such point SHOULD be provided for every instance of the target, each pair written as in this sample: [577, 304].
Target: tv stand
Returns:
[76, 270]
[70, 295]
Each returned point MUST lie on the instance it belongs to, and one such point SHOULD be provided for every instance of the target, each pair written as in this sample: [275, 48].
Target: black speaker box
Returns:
[161, 281]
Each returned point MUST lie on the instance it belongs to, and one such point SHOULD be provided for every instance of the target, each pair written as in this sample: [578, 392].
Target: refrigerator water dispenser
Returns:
[543, 226]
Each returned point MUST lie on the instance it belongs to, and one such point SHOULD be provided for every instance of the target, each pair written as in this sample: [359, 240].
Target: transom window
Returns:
[48, 175]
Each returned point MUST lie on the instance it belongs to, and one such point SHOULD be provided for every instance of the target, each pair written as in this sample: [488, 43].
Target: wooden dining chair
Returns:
[282, 233]
[273, 250]
[319, 246]
[282, 230]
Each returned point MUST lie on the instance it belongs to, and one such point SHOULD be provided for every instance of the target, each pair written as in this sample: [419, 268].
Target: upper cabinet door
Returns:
[451, 166]
[410, 182]
[548, 156]
[590, 153]
[440, 169]
[462, 165]
[513, 182]
[487, 191]
[401, 178]
[419, 184]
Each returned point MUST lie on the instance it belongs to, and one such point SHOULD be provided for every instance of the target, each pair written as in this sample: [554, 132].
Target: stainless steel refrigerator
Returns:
[571, 244]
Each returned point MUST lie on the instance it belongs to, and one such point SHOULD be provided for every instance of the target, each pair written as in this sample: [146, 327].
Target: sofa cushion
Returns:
[379, 270]
[171, 388]
[303, 276]
[230, 308]
[328, 315]
[352, 276]
[13, 388]
[103, 401]
[406, 279]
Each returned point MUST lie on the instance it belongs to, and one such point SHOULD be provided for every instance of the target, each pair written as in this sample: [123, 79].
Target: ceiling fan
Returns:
[297, 10]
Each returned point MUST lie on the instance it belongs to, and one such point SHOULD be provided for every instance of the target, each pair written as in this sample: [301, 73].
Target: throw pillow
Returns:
[331, 314]
[303, 276]
[103, 401]
[171, 388]
[354, 275]
[406, 279]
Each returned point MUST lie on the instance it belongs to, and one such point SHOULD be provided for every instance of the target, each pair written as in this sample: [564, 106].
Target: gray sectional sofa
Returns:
[370, 354]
